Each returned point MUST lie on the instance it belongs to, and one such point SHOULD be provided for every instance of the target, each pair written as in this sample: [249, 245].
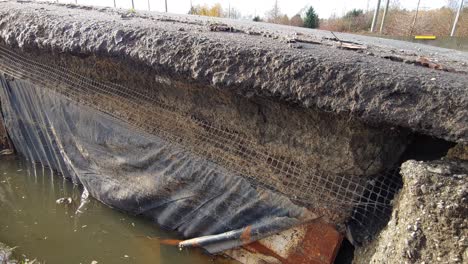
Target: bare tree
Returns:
[284, 20]
[274, 15]
[452, 4]
[395, 4]
[296, 21]
[232, 12]
[415, 18]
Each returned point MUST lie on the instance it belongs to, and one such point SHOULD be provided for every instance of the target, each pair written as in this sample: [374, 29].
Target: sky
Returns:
[324, 8]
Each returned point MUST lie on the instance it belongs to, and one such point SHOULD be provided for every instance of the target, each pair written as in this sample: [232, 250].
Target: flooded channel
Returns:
[40, 227]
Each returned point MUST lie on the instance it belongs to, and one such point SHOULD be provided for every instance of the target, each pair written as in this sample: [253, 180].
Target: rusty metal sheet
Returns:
[313, 243]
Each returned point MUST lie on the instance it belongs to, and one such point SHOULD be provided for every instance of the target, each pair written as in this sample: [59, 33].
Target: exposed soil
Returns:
[318, 159]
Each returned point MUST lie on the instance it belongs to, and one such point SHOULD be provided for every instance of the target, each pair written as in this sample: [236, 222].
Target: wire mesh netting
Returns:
[363, 198]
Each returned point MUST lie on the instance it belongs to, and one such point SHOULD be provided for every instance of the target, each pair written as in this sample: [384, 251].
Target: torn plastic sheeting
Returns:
[141, 173]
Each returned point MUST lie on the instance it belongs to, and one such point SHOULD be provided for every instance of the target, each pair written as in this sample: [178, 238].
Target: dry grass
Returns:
[436, 22]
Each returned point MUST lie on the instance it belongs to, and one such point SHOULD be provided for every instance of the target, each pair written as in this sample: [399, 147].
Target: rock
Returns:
[64, 200]
[6, 255]
[460, 151]
[438, 170]
[414, 227]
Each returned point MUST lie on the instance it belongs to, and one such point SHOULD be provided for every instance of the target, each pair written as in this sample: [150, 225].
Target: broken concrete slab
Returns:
[428, 223]
[357, 83]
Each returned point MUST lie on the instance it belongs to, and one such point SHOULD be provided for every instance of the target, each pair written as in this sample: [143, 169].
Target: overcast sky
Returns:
[325, 8]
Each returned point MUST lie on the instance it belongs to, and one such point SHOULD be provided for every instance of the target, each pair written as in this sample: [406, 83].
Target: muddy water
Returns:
[31, 219]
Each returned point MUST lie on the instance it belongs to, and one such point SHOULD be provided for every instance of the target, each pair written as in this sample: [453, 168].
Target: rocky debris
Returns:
[6, 255]
[222, 28]
[338, 78]
[429, 222]
[460, 151]
[64, 200]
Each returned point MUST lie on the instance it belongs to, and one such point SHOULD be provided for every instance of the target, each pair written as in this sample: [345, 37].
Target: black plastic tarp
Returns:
[141, 173]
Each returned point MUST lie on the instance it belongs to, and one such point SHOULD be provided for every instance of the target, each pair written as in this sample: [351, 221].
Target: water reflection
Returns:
[52, 232]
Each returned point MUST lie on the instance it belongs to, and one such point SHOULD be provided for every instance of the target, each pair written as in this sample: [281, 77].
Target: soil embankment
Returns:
[320, 119]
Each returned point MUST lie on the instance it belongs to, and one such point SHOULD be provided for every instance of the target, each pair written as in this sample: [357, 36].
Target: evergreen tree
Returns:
[311, 19]
[257, 19]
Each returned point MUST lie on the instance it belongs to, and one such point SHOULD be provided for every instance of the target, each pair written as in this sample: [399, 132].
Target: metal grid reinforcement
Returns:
[321, 192]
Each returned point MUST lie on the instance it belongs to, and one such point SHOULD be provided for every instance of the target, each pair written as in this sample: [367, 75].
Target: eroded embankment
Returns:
[316, 159]
[315, 132]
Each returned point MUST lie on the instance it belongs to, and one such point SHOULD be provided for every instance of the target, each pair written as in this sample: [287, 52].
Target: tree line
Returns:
[402, 22]
[399, 21]
[306, 17]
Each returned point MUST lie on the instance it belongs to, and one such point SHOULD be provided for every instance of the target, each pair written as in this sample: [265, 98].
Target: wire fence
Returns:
[334, 196]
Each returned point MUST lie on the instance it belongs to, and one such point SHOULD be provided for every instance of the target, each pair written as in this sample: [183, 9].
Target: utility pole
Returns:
[149, 8]
[376, 16]
[115, 4]
[229, 12]
[415, 18]
[454, 28]
[384, 15]
[276, 11]
[165, 1]
[133, 5]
